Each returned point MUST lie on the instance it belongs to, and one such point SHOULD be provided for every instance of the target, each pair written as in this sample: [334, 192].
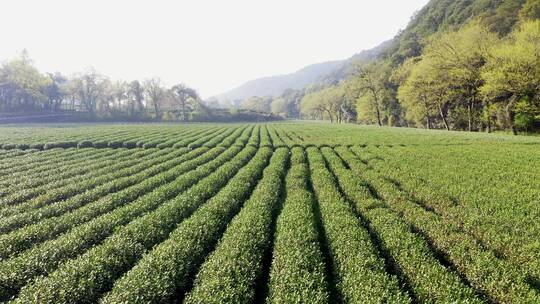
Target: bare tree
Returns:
[88, 88]
[155, 93]
[183, 94]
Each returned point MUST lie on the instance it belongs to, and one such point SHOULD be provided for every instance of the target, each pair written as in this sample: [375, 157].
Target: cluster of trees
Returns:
[23, 89]
[459, 65]
[286, 105]
[470, 79]
[478, 77]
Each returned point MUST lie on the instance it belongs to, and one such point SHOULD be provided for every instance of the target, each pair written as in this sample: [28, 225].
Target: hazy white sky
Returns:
[212, 45]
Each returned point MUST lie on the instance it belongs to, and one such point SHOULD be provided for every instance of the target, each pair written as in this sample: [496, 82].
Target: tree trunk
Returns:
[378, 115]
[428, 122]
[511, 115]
[469, 113]
[329, 115]
[376, 104]
[156, 110]
[488, 118]
[443, 117]
[184, 111]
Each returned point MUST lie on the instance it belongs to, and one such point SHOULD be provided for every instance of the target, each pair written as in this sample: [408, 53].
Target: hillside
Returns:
[442, 15]
[276, 85]
[436, 16]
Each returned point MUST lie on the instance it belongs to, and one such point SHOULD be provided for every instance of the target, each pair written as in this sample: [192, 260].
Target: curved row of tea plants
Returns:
[166, 271]
[297, 271]
[496, 278]
[48, 256]
[427, 278]
[230, 274]
[88, 276]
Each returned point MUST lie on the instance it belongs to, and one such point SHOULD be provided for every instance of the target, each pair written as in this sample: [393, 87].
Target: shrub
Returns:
[115, 144]
[85, 144]
[101, 144]
[37, 146]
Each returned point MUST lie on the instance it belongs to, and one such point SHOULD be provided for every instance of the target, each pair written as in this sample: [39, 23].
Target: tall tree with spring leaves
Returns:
[512, 75]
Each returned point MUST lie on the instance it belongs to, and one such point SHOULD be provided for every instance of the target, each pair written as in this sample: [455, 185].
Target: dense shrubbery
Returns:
[231, 273]
[190, 242]
[297, 272]
[120, 251]
[359, 215]
[359, 273]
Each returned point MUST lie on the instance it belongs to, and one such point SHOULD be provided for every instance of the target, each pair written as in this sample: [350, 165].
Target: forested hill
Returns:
[437, 15]
[442, 15]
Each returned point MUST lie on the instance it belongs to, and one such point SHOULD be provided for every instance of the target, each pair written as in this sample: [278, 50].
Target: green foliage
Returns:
[513, 72]
[22, 86]
[257, 104]
[364, 217]
[530, 10]
[328, 103]
[157, 223]
[359, 273]
[189, 243]
[447, 77]
[432, 204]
[429, 280]
[232, 271]
[297, 271]
[447, 43]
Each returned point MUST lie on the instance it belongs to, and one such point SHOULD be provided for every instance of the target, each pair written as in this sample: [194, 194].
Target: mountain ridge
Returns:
[275, 85]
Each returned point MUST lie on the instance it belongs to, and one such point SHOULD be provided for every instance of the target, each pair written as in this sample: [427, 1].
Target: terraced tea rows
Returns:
[276, 213]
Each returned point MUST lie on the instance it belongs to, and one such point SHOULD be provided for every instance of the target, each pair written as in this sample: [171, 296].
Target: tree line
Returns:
[469, 79]
[23, 89]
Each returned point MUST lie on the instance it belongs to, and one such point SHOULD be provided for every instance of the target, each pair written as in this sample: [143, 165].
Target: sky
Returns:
[211, 45]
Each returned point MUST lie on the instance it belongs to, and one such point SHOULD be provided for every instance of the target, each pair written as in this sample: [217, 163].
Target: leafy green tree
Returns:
[461, 55]
[56, 91]
[257, 104]
[512, 74]
[312, 106]
[292, 99]
[530, 10]
[120, 94]
[372, 82]
[22, 86]
[325, 103]
[425, 92]
[279, 107]
[503, 18]
[413, 93]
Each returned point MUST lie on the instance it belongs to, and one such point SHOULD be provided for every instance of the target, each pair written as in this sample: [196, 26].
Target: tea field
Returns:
[290, 212]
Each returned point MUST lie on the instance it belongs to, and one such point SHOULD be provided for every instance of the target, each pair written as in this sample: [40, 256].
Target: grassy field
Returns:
[277, 213]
